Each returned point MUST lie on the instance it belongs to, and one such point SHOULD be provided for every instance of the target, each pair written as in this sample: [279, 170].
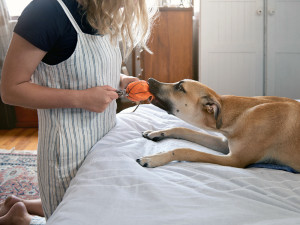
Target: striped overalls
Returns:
[67, 135]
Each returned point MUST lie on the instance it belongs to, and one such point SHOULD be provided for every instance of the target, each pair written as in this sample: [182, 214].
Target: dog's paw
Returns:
[152, 161]
[145, 162]
[154, 135]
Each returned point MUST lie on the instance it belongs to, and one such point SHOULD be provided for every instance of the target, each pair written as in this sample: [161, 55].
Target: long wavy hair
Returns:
[129, 21]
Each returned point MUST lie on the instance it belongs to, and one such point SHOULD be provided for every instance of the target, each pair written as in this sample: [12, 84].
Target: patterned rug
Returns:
[18, 174]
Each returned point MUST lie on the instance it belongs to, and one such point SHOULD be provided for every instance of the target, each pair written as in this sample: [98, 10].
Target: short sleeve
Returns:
[42, 23]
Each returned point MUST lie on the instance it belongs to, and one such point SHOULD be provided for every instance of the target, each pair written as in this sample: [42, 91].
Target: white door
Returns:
[231, 46]
[283, 48]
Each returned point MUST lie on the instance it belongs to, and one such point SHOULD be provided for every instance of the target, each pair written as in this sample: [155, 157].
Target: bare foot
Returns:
[8, 203]
[17, 215]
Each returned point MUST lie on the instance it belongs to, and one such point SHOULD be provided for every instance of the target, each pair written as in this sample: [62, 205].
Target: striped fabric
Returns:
[67, 135]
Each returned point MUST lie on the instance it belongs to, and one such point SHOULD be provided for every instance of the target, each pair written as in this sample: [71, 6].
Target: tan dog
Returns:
[257, 129]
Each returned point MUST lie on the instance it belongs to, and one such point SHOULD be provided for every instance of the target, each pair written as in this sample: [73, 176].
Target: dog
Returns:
[261, 129]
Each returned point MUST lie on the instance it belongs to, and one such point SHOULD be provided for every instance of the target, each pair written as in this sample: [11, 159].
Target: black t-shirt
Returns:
[45, 25]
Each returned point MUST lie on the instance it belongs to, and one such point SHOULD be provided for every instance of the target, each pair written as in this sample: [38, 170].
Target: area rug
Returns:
[18, 174]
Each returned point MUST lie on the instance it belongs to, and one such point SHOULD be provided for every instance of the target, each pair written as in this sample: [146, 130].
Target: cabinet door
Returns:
[231, 46]
[283, 51]
[171, 42]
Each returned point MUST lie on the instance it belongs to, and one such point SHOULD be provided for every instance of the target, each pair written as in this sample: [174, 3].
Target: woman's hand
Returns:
[97, 99]
[125, 80]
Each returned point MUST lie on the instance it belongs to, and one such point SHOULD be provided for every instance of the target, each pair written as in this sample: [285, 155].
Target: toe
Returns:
[142, 162]
[146, 135]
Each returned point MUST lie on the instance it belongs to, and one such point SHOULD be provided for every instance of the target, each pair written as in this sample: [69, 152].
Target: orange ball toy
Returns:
[138, 91]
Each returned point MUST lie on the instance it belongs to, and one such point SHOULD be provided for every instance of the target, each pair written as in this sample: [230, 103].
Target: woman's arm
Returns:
[16, 89]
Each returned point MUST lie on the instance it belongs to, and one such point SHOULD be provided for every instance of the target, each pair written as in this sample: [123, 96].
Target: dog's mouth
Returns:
[164, 105]
[158, 100]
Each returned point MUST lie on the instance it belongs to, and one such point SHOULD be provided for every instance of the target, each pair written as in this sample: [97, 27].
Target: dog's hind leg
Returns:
[219, 144]
[186, 154]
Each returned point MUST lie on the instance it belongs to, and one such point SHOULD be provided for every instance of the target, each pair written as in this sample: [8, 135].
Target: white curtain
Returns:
[7, 112]
[5, 31]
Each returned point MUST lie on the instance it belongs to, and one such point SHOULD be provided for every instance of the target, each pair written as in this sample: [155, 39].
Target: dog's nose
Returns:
[154, 85]
[152, 81]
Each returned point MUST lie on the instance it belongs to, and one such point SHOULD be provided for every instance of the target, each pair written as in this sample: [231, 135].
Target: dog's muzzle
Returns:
[160, 96]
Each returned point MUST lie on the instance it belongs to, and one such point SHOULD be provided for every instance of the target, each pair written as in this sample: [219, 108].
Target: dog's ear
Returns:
[212, 105]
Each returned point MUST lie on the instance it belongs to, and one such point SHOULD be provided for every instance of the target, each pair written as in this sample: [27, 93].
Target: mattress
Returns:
[111, 188]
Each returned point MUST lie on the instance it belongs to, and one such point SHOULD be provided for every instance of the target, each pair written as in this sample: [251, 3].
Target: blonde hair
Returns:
[126, 20]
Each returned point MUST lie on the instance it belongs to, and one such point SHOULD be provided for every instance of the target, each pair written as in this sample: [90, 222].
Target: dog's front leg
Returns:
[216, 143]
[186, 154]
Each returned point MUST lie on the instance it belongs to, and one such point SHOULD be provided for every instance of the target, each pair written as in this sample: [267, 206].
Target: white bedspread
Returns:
[111, 188]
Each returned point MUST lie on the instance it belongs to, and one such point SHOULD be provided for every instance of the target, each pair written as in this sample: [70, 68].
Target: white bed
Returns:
[111, 188]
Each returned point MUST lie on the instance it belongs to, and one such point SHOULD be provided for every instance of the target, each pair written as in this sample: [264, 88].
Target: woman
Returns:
[64, 61]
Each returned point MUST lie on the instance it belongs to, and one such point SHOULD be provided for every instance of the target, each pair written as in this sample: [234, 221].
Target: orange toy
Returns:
[138, 91]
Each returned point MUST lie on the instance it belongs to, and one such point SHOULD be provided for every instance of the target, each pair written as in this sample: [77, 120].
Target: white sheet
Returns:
[111, 188]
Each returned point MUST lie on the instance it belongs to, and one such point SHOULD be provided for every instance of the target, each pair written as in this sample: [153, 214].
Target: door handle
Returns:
[259, 12]
[271, 12]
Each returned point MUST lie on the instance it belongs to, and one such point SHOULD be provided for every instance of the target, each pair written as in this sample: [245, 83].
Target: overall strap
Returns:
[69, 15]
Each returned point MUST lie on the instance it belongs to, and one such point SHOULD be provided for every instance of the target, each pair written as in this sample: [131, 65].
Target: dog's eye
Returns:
[179, 87]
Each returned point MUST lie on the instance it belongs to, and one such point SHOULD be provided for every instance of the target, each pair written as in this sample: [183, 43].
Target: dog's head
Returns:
[188, 100]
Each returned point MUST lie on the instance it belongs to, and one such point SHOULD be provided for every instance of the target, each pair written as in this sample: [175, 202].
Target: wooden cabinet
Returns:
[171, 43]
[26, 118]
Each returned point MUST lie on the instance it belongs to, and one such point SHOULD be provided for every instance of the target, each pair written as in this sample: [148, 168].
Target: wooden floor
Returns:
[19, 138]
